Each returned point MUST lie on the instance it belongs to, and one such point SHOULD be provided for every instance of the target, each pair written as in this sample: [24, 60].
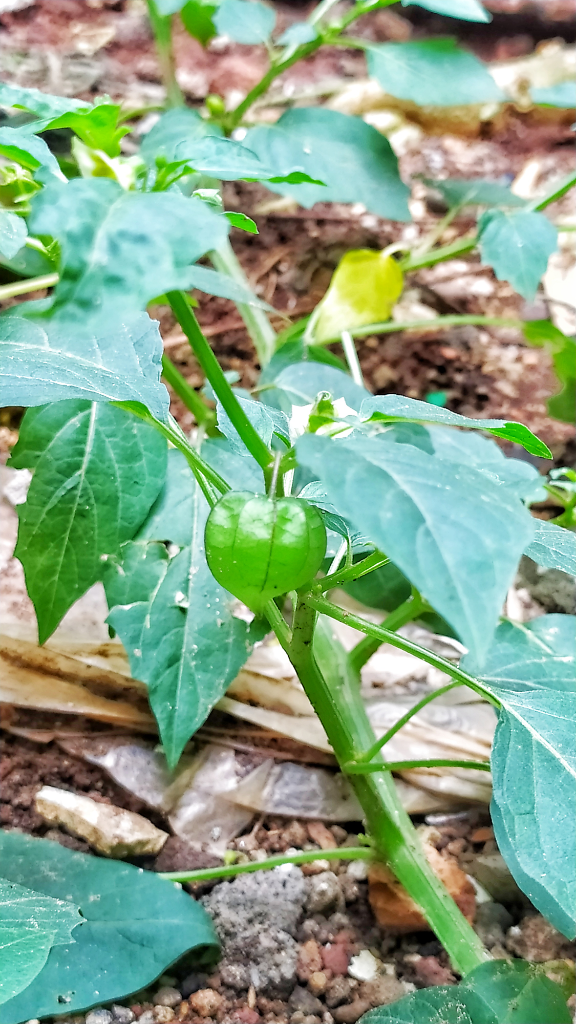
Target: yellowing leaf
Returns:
[363, 290]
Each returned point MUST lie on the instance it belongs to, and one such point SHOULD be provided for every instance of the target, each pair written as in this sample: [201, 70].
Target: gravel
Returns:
[324, 894]
[268, 899]
[266, 959]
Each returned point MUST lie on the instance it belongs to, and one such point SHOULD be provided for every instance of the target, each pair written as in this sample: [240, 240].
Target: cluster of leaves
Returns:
[110, 501]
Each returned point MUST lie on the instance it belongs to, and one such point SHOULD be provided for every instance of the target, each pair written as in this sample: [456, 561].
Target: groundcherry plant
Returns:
[282, 498]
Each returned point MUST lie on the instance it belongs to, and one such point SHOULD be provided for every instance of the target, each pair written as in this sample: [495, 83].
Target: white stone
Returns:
[358, 870]
[111, 830]
[364, 967]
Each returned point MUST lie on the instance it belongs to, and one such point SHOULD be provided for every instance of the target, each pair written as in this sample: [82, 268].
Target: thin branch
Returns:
[213, 371]
[190, 397]
[353, 768]
[387, 636]
[31, 284]
[306, 857]
[402, 721]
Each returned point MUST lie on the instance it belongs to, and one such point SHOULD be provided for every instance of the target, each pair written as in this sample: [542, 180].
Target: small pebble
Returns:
[302, 999]
[295, 834]
[335, 957]
[309, 960]
[350, 1013]
[324, 894]
[206, 1002]
[192, 982]
[364, 967]
[358, 870]
[167, 997]
[482, 835]
[99, 1017]
[340, 835]
[386, 988]
[122, 1014]
[246, 1015]
[315, 867]
[163, 1014]
[338, 991]
[147, 1017]
[317, 983]
[320, 834]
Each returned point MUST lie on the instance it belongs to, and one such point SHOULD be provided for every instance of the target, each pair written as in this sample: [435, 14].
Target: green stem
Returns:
[162, 29]
[235, 116]
[354, 572]
[257, 323]
[556, 192]
[465, 245]
[202, 471]
[31, 284]
[341, 710]
[279, 624]
[306, 857]
[321, 10]
[446, 252]
[356, 768]
[328, 37]
[377, 747]
[190, 397]
[213, 371]
[405, 612]
[352, 358]
[387, 636]
[391, 326]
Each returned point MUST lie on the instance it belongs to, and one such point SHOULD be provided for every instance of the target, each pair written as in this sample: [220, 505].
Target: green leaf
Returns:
[297, 34]
[433, 72]
[356, 163]
[97, 471]
[121, 249]
[97, 126]
[395, 407]
[300, 383]
[198, 20]
[268, 423]
[40, 103]
[241, 221]
[136, 926]
[469, 449]
[563, 351]
[498, 992]
[48, 361]
[215, 283]
[442, 525]
[475, 192]
[554, 547]
[29, 151]
[245, 21]
[531, 670]
[363, 290]
[517, 245]
[466, 10]
[177, 623]
[563, 94]
[171, 129]
[30, 924]
[228, 160]
[13, 233]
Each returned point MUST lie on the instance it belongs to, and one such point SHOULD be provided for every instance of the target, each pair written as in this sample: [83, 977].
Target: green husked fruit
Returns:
[258, 547]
